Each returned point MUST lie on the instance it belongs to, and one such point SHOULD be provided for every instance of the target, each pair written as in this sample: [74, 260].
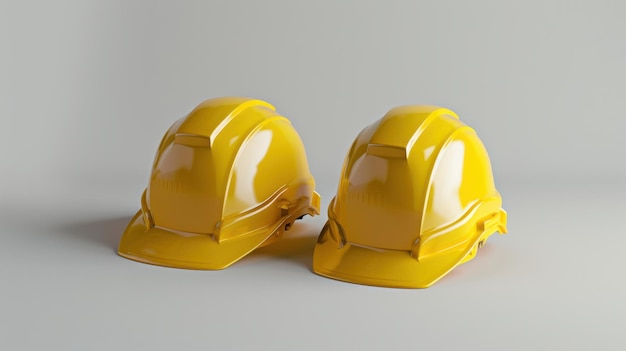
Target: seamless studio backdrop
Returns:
[88, 88]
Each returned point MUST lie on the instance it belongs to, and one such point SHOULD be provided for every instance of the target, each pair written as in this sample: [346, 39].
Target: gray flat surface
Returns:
[556, 281]
[87, 89]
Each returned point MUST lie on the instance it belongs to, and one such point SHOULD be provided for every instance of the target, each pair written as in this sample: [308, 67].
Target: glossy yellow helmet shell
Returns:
[416, 198]
[227, 178]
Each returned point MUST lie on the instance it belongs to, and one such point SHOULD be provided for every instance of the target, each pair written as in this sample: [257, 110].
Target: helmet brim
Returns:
[386, 268]
[161, 247]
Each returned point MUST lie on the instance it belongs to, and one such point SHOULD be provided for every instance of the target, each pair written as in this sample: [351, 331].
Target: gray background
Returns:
[87, 90]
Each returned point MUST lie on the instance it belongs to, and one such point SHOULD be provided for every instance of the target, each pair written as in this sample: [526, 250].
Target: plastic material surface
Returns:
[415, 199]
[227, 178]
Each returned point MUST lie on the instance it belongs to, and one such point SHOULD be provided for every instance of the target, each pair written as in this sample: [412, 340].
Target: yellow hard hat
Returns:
[229, 177]
[416, 198]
